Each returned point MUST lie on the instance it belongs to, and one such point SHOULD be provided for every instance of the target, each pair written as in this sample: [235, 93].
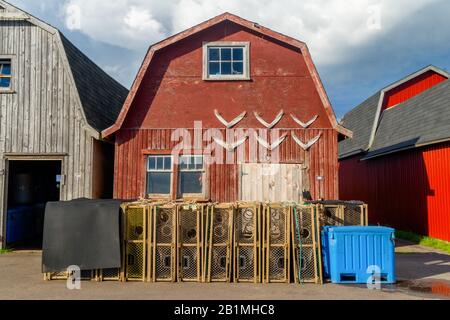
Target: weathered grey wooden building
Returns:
[54, 102]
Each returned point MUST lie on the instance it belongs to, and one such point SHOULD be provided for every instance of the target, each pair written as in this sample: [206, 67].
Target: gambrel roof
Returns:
[421, 120]
[249, 25]
[100, 96]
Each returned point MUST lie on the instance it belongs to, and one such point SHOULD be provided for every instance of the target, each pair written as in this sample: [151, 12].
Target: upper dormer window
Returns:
[226, 61]
[5, 74]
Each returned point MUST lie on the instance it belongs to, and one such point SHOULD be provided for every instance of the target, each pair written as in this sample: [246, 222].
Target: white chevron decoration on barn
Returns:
[268, 146]
[233, 122]
[230, 146]
[309, 144]
[273, 123]
[303, 124]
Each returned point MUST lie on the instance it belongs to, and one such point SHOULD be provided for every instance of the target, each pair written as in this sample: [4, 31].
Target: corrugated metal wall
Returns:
[131, 146]
[409, 190]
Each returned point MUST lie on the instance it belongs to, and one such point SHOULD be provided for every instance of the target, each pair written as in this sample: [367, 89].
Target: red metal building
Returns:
[231, 89]
[399, 158]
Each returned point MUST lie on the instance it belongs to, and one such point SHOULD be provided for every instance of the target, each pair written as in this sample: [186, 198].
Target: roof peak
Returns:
[376, 104]
[415, 75]
[255, 27]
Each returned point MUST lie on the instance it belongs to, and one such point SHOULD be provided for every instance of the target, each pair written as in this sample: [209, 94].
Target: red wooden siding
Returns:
[131, 145]
[172, 94]
[412, 88]
[407, 190]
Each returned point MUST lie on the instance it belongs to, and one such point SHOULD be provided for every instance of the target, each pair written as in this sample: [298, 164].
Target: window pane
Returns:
[160, 163]
[151, 163]
[191, 182]
[238, 54]
[5, 82]
[158, 182]
[238, 67]
[198, 162]
[6, 70]
[167, 163]
[214, 68]
[191, 163]
[226, 68]
[214, 54]
[225, 54]
[184, 162]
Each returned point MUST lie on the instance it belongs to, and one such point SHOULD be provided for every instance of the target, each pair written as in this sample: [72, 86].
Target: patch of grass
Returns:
[424, 240]
[2, 251]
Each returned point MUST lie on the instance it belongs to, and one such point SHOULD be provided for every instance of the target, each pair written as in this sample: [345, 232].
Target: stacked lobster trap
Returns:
[136, 241]
[162, 256]
[276, 243]
[247, 243]
[342, 213]
[190, 242]
[218, 246]
[224, 242]
[112, 274]
[306, 250]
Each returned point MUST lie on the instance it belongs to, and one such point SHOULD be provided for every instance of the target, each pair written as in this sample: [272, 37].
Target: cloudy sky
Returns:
[359, 46]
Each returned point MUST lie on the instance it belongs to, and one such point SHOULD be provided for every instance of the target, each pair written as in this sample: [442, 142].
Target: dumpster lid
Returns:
[358, 229]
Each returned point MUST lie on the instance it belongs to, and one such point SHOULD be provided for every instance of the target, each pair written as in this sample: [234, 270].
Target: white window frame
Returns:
[171, 171]
[12, 77]
[227, 44]
[203, 171]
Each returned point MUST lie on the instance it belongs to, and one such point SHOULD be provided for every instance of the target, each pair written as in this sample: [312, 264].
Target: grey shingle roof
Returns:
[360, 121]
[420, 120]
[101, 96]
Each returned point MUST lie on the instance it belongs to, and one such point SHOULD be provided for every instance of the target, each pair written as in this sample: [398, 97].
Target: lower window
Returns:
[159, 175]
[191, 177]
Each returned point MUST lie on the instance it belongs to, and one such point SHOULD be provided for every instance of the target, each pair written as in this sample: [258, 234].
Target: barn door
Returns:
[271, 182]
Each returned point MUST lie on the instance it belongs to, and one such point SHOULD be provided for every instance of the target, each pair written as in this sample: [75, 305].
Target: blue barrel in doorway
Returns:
[354, 254]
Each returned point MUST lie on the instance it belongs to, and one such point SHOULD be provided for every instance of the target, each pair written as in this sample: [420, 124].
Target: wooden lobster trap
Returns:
[343, 213]
[164, 243]
[306, 249]
[110, 274]
[218, 243]
[276, 244]
[190, 242]
[355, 214]
[330, 214]
[247, 243]
[85, 275]
[135, 242]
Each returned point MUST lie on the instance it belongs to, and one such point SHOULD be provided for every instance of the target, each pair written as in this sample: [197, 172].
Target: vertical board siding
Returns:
[320, 160]
[412, 88]
[173, 94]
[42, 116]
[408, 190]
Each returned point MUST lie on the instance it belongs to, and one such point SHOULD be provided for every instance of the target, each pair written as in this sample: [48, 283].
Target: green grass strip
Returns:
[424, 240]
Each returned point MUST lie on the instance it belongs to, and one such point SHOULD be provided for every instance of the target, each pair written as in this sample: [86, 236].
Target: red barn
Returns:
[248, 109]
[399, 159]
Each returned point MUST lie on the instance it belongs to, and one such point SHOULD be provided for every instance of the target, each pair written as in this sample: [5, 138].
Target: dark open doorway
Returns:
[31, 184]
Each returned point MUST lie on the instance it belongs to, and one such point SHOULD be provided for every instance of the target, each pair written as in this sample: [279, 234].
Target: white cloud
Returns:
[332, 28]
[141, 20]
[126, 23]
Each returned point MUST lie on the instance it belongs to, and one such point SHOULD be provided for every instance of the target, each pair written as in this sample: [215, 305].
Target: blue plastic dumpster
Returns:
[353, 254]
[24, 223]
